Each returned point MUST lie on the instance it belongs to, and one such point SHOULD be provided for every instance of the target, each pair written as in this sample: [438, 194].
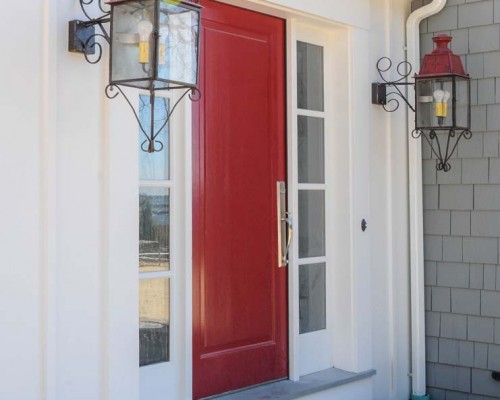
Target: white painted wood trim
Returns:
[187, 375]
[48, 201]
[293, 273]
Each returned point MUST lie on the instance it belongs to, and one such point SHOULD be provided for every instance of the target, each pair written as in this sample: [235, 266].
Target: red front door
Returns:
[240, 308]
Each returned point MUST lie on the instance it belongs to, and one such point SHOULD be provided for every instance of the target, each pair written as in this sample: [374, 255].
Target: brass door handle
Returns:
[285, 226]
[289, 222]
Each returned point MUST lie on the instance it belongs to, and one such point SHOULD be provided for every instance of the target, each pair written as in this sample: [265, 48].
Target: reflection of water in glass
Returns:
[154, 166]
[154, 229]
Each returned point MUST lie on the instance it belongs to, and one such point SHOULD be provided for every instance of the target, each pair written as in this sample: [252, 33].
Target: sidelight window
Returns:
[311, 187]
[154, 239]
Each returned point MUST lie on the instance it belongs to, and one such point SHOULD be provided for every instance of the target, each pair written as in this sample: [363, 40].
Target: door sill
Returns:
[288, 390]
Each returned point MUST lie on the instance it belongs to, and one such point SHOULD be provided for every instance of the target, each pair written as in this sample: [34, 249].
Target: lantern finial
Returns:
[442, 40]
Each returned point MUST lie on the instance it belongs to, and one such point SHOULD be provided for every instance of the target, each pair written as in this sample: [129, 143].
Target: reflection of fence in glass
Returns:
[152, 256]
[154, 321]
[153, 339]
[154, 229]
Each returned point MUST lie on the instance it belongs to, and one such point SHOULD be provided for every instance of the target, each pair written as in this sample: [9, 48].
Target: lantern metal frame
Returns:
[454, 134]
[84, 39]
[389, 100]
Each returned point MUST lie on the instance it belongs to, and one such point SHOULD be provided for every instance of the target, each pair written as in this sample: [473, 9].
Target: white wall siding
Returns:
[20, 206]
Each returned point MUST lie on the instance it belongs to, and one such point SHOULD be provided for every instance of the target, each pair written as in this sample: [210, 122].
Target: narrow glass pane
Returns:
[462, 103]
[435, 103]
[312, 297]
[154, 321]
[128, 61]
[154, 166]
[154, 229]
[311, 223]
[311, 149]
[178, 43]
[310, 77]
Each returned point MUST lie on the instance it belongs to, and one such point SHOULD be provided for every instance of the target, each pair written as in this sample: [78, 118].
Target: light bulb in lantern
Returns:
[446, 97]
[162, 46]
[438, 102]
[144, 28]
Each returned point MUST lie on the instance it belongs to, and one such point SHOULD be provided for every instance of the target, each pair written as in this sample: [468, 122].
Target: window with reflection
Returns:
[154, 239]
[311, 187]
[154, 321]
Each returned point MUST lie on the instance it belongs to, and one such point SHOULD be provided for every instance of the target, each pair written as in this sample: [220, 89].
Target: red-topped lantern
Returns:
[442, 98]
[442, 102]
[442, 90]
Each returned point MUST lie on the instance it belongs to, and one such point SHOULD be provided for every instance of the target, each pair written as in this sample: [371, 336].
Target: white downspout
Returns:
[416, 210]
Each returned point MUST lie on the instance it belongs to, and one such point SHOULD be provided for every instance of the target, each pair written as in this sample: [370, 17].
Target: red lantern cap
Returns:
[442, 61]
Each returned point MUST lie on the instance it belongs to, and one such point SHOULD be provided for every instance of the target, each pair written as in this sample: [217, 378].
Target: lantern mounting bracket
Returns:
[390, 99]
[82, 34]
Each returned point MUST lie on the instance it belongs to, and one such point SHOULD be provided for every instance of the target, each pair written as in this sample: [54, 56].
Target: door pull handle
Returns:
[289, 223]
[285, 226]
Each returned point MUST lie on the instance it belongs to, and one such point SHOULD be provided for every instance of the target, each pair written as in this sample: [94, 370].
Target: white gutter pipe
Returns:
[416, 210]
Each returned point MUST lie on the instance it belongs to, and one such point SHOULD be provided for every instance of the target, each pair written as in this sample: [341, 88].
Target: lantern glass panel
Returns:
[132, 46]
[435, 103]
[178, 44]
[462, 95]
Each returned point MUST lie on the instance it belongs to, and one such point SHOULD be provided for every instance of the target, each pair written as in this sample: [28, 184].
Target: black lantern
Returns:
[442, 99]
[154, 46]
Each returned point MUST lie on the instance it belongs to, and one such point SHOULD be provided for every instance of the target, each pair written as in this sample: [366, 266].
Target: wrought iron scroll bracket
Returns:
[390, 98]
[442, 144]
[150, 143]
[83, 35]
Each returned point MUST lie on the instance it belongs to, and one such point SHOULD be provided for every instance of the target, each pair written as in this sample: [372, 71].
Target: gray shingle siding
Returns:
[462, 218]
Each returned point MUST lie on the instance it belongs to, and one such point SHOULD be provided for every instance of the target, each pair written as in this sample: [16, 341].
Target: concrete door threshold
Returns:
[288, 390]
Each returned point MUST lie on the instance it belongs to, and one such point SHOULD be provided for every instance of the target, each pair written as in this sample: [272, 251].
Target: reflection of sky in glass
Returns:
[181, 40]
[154, 166]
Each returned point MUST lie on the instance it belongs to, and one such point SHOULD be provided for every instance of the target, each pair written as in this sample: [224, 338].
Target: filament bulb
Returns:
[438, 95]
[144, 28]
[438, 101]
